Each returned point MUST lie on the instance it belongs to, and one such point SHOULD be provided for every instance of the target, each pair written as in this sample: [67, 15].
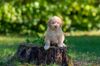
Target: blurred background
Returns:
[29, 17]
[26, 21]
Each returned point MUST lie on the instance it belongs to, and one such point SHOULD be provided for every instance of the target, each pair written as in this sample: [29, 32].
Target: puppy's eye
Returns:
[52, 22]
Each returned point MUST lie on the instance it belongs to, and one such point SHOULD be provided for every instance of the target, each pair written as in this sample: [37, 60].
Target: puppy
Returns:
[54, 33]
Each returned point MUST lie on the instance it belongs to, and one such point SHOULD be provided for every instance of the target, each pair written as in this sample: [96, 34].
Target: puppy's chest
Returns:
[54, 36]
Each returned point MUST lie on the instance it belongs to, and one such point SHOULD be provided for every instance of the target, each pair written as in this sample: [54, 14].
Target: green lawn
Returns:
[84, 49]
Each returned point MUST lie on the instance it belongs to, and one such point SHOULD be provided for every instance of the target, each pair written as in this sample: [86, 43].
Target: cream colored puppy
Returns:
[54, 33]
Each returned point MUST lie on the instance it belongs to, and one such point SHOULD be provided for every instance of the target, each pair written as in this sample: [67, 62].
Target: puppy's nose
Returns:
[55, 26]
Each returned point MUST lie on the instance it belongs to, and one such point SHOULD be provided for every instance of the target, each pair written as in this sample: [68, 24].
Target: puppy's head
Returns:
[55, 23]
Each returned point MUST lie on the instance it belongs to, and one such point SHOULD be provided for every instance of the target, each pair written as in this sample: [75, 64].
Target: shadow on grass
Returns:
[84, 48]
[6, 50]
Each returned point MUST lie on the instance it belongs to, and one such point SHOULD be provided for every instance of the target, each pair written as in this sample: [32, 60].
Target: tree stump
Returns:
[34, 54]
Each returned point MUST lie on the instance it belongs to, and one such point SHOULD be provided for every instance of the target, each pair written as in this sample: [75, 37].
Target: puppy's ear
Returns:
[61, 23]
[61, 20]
[49, 23]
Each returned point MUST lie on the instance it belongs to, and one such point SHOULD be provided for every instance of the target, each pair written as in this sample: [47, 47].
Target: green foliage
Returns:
[38, 41]
[30, 16]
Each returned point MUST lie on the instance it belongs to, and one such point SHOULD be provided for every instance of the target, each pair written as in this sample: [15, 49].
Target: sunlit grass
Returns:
[11, 39]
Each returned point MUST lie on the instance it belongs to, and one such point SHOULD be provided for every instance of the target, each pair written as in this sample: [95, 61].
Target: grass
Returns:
[85, 49]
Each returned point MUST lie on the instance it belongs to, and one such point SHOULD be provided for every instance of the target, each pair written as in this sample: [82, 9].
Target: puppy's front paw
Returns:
[46, 47]
[62, 45]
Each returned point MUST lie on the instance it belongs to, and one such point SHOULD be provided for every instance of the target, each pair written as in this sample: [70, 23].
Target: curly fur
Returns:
[54, 33]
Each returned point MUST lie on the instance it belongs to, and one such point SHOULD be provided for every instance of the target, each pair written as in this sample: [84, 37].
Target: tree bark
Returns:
[27, 52]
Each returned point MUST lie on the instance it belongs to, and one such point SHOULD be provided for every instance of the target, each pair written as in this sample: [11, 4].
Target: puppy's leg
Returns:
[47, 45]
[60, 42]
